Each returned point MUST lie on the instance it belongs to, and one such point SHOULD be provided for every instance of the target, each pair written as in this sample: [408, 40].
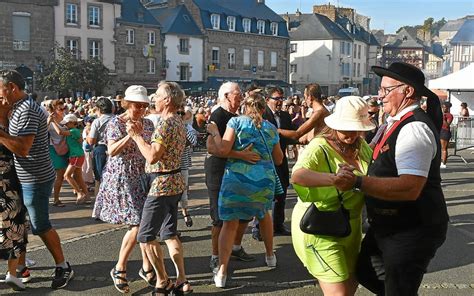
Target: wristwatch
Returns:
[358, 184]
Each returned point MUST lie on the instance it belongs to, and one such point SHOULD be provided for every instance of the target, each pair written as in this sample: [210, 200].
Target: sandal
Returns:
[178, 290]
[121, 287]
[188, 220]
[143, 274]
[168, 289]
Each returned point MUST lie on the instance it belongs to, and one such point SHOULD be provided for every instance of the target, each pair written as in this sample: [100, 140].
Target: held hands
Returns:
[134, 129]
[345, 178]
[249, 156]
[212, 129]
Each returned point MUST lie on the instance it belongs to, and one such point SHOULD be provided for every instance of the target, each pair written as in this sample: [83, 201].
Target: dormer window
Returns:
[246, 24]
[231, 23]
[261, 27]
[215, 21]
[274, 29]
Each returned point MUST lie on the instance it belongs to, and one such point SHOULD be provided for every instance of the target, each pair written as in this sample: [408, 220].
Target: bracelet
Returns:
[358, 184]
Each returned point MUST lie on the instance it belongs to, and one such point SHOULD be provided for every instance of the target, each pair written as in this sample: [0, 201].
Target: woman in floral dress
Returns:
[121, 197]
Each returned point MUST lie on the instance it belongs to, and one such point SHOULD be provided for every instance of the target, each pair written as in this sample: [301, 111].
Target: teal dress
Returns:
[247, 190]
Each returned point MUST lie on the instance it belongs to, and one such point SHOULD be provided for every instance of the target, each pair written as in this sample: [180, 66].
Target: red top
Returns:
[447, 119]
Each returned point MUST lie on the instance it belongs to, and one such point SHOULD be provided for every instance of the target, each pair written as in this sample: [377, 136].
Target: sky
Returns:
[387, 15]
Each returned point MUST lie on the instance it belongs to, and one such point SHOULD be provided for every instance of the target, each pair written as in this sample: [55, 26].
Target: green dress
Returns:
[330, 259]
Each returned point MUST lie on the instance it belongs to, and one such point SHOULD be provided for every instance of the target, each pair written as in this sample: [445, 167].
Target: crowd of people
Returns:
[130, 156]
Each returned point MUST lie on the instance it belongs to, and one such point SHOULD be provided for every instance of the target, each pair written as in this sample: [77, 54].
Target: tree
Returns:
[65, 74]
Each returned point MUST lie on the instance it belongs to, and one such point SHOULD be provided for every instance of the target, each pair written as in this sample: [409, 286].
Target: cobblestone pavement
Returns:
[92, 246]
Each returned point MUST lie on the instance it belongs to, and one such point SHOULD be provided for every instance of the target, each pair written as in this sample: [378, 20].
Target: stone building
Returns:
[138, 47]
[27, 34]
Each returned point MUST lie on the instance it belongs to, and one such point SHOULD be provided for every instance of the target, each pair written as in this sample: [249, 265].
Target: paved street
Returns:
[92, 246]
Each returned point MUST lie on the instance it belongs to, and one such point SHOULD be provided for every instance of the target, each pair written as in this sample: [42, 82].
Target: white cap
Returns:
[70, 118]
[136, 93]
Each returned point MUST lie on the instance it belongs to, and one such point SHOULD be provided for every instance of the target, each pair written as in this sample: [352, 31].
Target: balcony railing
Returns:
[21, 45]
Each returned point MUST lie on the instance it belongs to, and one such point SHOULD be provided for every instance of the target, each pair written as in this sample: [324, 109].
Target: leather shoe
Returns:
[282, 230]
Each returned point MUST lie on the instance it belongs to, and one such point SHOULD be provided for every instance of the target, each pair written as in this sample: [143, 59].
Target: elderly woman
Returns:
[332, 259]
[121, 197]
[166, 185]
[247, 190]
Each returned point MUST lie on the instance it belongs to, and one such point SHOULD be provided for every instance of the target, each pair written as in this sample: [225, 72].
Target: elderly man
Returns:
[405, 204]
[28, 140]
[230, 97]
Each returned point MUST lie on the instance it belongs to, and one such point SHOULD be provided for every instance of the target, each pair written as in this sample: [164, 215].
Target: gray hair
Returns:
[172, 90]
[225, 89]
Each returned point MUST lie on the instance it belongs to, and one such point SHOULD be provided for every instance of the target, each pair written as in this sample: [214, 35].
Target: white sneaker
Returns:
[29, 263]
[14, 282]
[271, 261]
[442, 166]
[219, 280]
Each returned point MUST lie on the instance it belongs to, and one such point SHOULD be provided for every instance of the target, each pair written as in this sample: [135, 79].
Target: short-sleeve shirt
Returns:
[448, 117]
[98, 129]
[170, 133]
[27, 119]
[74, 143]
[221, 117]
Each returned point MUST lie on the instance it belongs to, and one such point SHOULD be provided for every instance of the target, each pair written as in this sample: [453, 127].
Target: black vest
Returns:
[430, 207]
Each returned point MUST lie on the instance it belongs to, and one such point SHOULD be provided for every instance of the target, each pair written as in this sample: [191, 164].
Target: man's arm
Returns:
[402, 188]
[19, 145]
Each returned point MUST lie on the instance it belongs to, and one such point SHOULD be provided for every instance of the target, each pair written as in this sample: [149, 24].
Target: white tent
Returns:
[460, 80]
[460, 87]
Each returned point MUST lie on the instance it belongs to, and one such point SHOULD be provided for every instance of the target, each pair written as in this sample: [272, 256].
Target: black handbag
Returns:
[330, 223]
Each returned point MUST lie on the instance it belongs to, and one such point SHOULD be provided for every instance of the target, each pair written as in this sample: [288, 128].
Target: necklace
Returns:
[347, 148]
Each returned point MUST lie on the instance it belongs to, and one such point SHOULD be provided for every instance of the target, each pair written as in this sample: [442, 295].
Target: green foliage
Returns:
[64, 74]
[429, 25]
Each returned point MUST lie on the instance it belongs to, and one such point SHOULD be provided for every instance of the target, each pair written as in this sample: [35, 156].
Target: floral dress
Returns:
[13, 232]
[121, 194]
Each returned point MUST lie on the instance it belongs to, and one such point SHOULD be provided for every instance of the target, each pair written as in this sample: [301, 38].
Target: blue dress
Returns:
[247, 190]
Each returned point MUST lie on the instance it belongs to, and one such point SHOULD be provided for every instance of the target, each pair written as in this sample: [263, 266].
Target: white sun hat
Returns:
[137, 93]
[70, 118]
[351, 114]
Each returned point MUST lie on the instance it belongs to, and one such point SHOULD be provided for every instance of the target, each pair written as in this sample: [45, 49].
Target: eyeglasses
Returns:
[181, 113]
[277, 98]
[384, 91]
[141, 106]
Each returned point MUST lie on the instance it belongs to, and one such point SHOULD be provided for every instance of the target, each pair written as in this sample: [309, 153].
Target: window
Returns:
[273, 61]
[94, 16]
[246, 24]
[215, 57]
[231, 23]
[274, 29]
[184, 46]
[130, 36]
[293, 47]
[129, 65]
[151, 38]
[183, 72]
[345, 69]
[231, 58]
[354, 70]
[21, 31]
[260, 59]
[358, 53]
[355, 51]
[71, 14]
[94, 49]
[215, 21]
[348, 49]
[343, 47]
[73, 46]
[293, 68]
[261, 27]
[358, 69]
[246, 61]
[465, 50]
[151, 66]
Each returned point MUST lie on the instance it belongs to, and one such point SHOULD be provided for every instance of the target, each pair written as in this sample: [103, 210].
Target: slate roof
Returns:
[453, 25]
[130, 13]
[405, 40]
[465, 34]
[240, 9]
[358, 33]
[176, 20]
[315, 27]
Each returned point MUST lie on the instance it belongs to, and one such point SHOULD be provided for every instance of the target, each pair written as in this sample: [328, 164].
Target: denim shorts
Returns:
[36, 200]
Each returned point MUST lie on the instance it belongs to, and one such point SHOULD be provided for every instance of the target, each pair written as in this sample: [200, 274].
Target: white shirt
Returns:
[416, 146]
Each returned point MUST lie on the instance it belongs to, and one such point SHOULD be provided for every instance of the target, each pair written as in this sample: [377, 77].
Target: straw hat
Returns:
[351, 114]
[136, 93]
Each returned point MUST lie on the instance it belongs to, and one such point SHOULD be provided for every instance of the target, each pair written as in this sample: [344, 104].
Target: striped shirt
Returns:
[191, 141]
[27, 118]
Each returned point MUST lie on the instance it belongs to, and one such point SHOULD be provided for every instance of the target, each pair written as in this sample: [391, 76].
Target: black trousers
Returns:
[394, 264]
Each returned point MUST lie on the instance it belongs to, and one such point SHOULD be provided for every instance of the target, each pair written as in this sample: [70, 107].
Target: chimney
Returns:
[298, 12]
[286, 17]
[327, 10]
[261, 1]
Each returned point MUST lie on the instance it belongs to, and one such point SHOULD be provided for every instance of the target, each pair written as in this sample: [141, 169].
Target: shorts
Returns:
[77, 162]
[36, 200]
[159, 216]
[445, 135]
[60, 162]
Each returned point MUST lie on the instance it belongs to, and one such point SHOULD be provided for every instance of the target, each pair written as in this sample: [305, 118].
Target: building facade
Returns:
[27, 34]
[463, 46]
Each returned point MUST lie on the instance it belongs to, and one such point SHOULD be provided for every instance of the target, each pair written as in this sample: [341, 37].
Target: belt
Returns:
[167, 173]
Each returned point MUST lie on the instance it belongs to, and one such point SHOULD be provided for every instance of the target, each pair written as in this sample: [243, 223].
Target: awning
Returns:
[192, 85]
[442, 95]
[265, 82]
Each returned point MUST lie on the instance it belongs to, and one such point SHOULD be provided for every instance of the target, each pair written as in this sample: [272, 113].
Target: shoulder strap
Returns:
[388, 134]
[339, 195]
[266, 146]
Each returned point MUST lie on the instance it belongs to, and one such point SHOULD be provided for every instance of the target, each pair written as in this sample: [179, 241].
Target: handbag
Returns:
[61, 148]
[278, 186]
[330, 223]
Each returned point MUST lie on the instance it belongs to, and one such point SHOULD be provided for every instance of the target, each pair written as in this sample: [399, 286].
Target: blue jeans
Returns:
[36, 200]
[99, 155]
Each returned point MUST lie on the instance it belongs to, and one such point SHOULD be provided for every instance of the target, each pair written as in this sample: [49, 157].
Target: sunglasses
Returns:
[277, 98]
[181, 113]
[372, 113]
[141, 106]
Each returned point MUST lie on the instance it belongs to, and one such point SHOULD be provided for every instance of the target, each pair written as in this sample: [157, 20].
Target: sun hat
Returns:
[70, 118]
[136, 93]
[351, 114]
